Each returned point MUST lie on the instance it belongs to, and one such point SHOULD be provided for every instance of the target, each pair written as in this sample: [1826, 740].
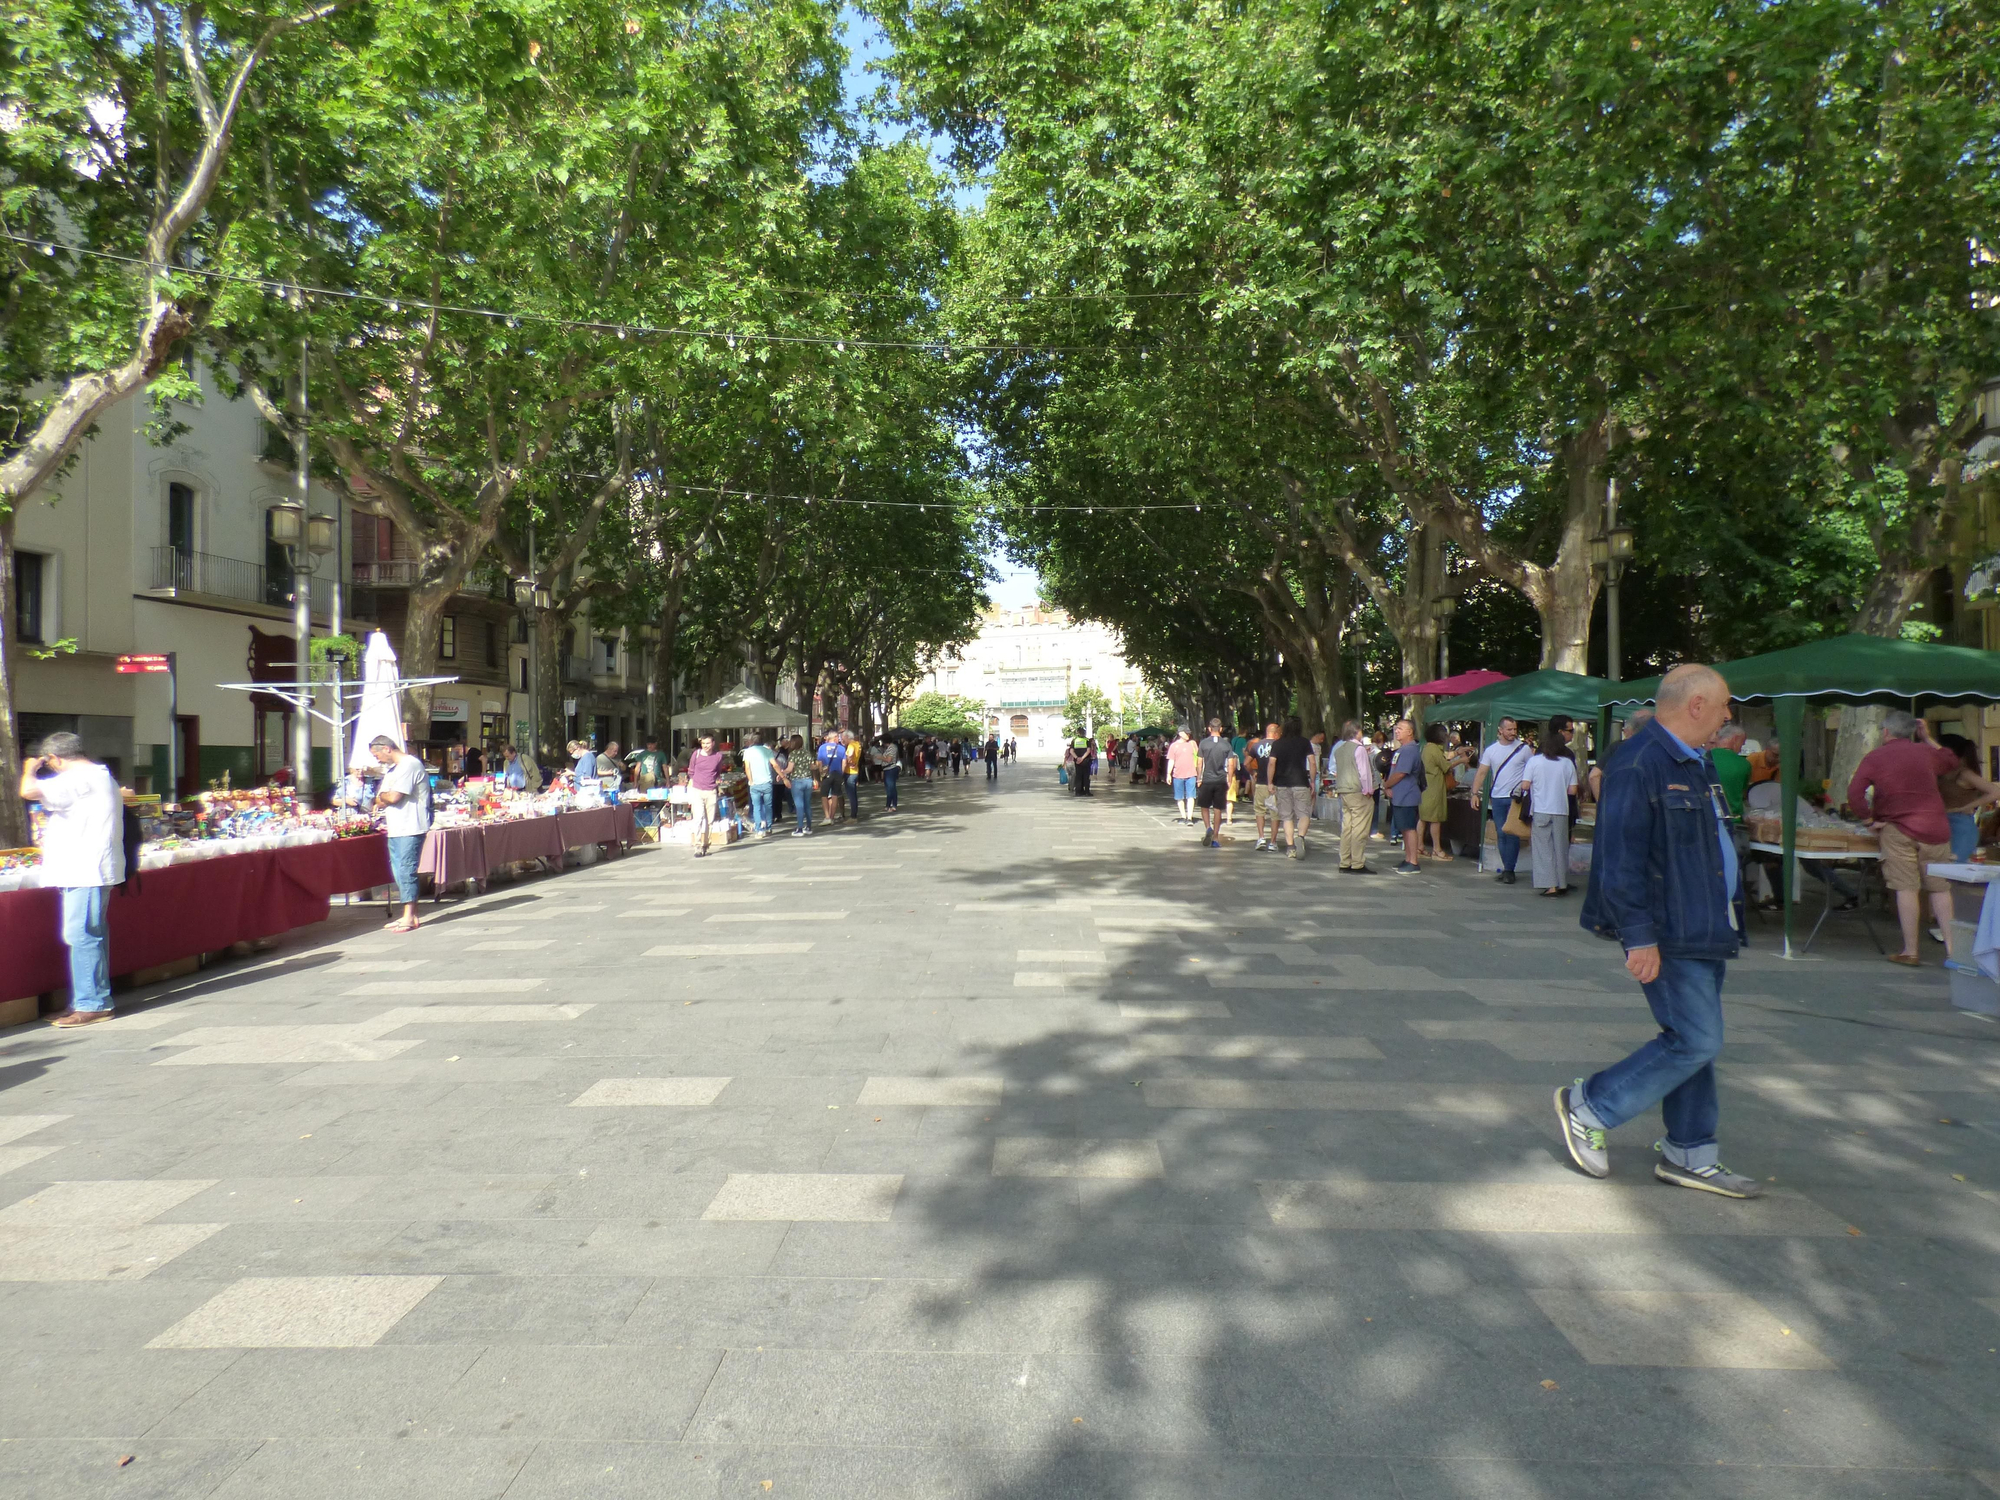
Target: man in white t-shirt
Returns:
[83, 856]
[757, 767]
[1503, 763]
[405, 798]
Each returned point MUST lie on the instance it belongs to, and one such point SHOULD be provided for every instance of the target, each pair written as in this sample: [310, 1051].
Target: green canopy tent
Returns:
[1533, 696]
[1841, 668]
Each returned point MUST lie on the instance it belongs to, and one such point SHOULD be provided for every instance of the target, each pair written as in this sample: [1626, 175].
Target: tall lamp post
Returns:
[305, 538]
[1611, 551]
[1443, 608]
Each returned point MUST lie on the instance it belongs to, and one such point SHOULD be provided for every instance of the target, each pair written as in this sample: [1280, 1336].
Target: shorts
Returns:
[1183, 788]
[1213, 794]
[1402, 819]
[1291, 804]
[1904, 861]
[1260, 796]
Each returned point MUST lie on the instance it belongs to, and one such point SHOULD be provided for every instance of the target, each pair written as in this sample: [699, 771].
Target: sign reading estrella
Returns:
[145, 664]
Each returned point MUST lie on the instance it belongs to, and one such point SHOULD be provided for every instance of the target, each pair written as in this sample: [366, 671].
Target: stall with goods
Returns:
[1847, 669]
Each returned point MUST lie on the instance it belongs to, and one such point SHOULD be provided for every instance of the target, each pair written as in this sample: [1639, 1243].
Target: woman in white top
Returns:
[1551, 777]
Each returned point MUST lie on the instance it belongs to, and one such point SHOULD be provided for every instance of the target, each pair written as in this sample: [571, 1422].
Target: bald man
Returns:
[1664, 881]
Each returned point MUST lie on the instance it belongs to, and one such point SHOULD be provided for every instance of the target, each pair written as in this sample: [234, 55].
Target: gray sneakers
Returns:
[1715, 1178]
[1587, 1146]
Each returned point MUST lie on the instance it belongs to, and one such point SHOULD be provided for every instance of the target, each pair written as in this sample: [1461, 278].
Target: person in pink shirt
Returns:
[1896, 788]
[704, 770]
[1181, 755]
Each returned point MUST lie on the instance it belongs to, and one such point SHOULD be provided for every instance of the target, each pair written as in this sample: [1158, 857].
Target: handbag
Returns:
[1519, 811]
[1062, 774]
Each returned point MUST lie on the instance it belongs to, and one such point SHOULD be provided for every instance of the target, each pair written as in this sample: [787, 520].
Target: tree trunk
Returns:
[664, 666]
[551, 730]
[1890, 598]
[13, 812]
[420, 649]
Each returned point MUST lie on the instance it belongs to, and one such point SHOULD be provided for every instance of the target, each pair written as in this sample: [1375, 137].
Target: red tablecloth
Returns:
[451, 855]
[191, 908]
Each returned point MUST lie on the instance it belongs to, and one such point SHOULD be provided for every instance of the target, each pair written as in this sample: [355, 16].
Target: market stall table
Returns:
[183, 910]
[1826, 856]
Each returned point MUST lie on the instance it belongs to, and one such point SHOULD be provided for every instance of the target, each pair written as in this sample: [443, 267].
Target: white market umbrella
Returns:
[739, 708]
[381, 702]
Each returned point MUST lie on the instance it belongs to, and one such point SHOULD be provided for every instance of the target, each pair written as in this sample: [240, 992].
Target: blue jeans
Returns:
[1676, 1068]
[86, 931]
[802, 803]
[1964, 835]
[760, 806]
[404, 851]
[1510, 844]
[992, 767]
[889, 775]
[853, 784]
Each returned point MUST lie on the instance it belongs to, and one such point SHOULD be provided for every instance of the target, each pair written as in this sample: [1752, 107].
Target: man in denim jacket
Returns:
[1663, 880]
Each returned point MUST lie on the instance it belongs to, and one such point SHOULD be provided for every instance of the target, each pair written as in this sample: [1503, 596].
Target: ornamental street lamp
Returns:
[1442, 609]
[1611, 551]
[305, 538]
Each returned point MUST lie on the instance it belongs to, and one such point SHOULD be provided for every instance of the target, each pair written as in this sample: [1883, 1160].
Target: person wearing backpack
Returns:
[1504, 763]
[83, 857]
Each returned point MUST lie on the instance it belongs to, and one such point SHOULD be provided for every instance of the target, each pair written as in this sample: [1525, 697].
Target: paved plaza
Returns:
[1009, 1147]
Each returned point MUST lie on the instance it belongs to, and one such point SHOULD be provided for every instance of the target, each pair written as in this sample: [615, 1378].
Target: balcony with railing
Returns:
[178, 571]
[487, 581]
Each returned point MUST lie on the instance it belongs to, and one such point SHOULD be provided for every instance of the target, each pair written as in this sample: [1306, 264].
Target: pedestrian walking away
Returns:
[1291, 778]
[1257, 764]
[1502, 763]
[1551, 777]
[832, 775]
[1663, 882]
[704, 772]
[992, 757]
[797, 774]
[1181, 767]
[1354, 784]
[1405, 784]
[757, 767]
[1216, 760]
[83, 857]
[406, 794]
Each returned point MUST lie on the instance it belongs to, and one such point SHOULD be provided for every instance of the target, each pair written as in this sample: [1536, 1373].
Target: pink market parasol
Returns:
[1451, 687]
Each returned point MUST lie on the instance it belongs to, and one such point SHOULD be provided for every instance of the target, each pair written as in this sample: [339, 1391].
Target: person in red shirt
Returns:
[1907, 809]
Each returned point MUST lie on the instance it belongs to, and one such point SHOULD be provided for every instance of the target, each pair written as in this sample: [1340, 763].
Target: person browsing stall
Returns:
[83, 857]
[405, 796]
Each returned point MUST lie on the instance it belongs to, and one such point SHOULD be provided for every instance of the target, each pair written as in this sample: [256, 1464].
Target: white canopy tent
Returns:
[739, 708]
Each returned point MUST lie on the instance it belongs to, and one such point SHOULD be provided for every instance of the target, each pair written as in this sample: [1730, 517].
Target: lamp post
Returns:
[305, 538]
[1443, 608]
[1611, 551]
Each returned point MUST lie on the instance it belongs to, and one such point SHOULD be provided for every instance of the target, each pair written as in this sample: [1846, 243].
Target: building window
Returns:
[610, 653]
[30, 573]
[180, 518]
[448, 637]
[524, 674]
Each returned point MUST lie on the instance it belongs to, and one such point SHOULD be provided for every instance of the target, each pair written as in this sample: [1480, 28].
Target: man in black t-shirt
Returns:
[1290, 774]
[1215, 760]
